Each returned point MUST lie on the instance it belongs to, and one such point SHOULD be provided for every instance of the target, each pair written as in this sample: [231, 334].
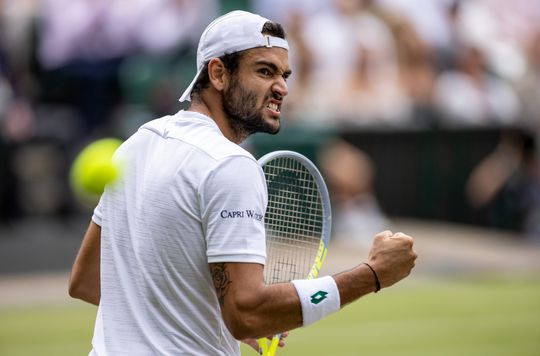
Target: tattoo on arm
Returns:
[221, 279]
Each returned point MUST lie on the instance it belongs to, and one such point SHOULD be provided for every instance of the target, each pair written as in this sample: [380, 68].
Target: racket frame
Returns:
[326, 230]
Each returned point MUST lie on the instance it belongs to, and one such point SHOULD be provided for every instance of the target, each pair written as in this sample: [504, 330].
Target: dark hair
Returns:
[232, 60]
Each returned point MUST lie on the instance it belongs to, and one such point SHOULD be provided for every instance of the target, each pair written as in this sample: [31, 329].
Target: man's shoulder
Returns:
[198, 131]
[223, 148]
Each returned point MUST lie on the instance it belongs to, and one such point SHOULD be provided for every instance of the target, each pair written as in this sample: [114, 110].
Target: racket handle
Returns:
[274, 345]
[263, 346]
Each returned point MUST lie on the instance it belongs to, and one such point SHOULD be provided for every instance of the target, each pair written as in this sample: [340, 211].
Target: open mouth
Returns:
[274, 107]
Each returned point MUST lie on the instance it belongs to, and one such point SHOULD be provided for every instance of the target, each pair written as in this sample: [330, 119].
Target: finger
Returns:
[383, 234]
[403, 237]
[282, 339]
[252, 343]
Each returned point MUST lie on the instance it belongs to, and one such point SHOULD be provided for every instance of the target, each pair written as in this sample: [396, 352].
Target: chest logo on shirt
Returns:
[241, 214]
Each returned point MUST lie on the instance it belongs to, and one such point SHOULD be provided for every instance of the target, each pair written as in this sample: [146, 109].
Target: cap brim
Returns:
[187, 93]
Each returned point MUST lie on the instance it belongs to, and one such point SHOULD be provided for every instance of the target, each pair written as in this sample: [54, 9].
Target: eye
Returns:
[265, 71]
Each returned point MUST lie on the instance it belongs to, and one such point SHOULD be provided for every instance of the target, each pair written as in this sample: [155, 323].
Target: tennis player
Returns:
[175, 251]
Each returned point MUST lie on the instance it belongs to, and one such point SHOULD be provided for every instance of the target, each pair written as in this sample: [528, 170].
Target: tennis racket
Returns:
[297, 222]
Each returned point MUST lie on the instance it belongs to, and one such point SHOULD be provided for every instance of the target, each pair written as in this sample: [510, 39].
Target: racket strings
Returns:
[293, 220]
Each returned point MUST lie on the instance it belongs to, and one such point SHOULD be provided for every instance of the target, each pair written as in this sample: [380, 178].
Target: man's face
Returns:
[252, 100]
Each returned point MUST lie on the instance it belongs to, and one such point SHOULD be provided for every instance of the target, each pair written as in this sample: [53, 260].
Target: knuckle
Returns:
[407, 238]
[382, 235]
[403, 237]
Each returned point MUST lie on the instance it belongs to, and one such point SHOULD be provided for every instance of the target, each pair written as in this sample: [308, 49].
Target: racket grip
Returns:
[263, 346]
[274, 345]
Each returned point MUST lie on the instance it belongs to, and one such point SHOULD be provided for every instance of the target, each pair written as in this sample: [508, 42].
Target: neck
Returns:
[214, 110]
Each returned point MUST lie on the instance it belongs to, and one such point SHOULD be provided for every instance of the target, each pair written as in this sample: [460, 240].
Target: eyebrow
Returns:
[274, 67]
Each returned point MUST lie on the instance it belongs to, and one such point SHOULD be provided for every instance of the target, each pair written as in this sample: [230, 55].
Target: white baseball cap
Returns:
[233, 32]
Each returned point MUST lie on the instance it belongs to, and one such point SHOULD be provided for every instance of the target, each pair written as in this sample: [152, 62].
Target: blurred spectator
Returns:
[427, 17]
[529, 85]
[6, 92]
[471, 95]
[516, 22]
[350, 175]
[16, 38]
[103, 29]
[505, 186]
[282, 11]
[494, 171]
[328, 65]
[83, 44]
[417, 71]
[352, 79]
[17, 119]
[16, 78]
[373, 94]
[477, 25]
[18, 124]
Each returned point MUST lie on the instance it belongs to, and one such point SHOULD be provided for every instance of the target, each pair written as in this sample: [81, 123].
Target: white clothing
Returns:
[465, 103]
[187, 197]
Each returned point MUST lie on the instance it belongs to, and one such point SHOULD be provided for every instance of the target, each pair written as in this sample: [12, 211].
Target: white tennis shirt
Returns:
[187, 197]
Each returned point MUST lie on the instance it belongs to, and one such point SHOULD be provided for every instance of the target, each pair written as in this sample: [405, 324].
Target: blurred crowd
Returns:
[395, 62]
[75, 70]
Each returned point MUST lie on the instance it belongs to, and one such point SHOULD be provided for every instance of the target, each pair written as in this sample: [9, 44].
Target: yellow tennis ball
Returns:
[94, 168]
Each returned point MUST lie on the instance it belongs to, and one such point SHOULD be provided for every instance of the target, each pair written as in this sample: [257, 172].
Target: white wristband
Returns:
[319, 298]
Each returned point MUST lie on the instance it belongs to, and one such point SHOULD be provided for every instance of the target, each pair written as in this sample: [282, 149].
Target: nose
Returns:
[280, 87]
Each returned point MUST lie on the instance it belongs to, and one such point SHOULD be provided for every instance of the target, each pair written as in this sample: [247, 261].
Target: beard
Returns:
[240, 106]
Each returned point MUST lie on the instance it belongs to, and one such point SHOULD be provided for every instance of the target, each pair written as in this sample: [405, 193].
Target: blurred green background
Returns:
[473, 291]
[484, 316]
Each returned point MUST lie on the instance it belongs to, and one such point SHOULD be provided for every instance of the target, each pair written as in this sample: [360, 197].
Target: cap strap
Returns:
[271, 41]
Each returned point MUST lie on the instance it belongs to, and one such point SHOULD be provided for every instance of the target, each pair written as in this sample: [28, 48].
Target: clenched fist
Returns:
[392, 257]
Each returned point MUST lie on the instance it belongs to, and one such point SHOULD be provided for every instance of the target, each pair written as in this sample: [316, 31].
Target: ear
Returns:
[218, 74]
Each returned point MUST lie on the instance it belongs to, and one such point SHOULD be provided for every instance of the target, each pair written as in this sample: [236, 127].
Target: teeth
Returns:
[273, 107]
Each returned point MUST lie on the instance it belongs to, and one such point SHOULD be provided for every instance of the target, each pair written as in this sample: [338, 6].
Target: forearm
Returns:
[272, 310]
[250, 307]
[276, 308]
[355, 283]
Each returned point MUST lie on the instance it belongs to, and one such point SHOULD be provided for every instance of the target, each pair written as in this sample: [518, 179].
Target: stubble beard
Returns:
[245, 118]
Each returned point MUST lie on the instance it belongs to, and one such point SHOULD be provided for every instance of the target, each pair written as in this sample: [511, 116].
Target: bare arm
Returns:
[84, 281]
[252, 309]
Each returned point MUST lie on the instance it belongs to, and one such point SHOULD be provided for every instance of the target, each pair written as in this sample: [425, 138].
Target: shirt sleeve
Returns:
[233, 203]
[98, 215]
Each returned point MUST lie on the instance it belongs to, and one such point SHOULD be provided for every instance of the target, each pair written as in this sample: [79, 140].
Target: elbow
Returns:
[243, 318]
[75, 290]
[243, 326]
[83, 292]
